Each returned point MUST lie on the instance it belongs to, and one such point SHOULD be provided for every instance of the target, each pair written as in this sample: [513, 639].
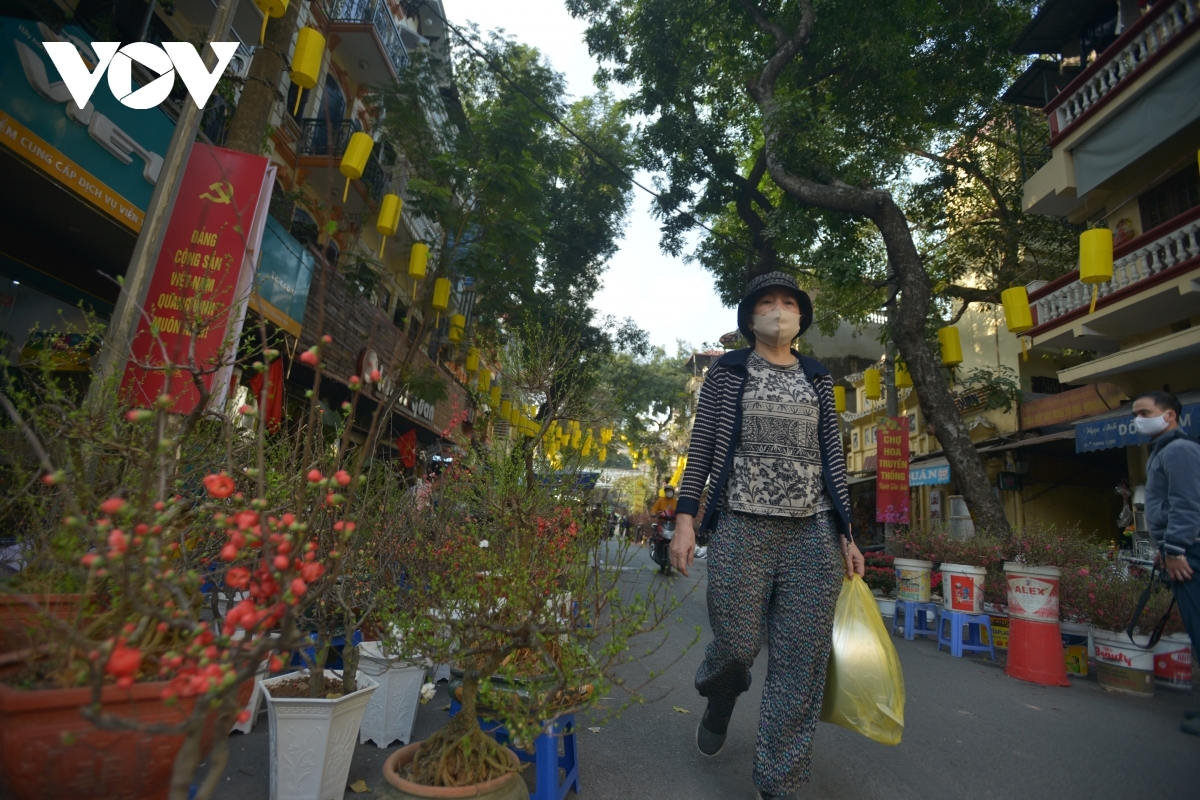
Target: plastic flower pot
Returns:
[312, 739]
[393, 787]
[49, 751]
[392, 711]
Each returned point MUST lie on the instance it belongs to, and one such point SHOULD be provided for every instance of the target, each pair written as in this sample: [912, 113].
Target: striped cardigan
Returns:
[718, 427]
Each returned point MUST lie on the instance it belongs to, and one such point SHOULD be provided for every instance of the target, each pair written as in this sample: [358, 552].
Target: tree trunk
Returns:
[912, 307]
[252, 113]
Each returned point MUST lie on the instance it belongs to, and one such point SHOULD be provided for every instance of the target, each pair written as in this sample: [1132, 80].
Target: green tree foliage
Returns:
[522, 207]
[830, 99]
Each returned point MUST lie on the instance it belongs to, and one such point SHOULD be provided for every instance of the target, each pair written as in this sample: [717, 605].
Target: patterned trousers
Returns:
[778, 578]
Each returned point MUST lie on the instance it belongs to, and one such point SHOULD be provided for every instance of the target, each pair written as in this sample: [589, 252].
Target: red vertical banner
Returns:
[891, 475]
[196, 302]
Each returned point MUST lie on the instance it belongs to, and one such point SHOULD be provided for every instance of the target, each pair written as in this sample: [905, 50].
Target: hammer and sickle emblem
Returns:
[222, 190]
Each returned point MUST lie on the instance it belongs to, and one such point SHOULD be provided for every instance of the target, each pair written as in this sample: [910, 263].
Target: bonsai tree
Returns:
[510, 579]
[149, 513]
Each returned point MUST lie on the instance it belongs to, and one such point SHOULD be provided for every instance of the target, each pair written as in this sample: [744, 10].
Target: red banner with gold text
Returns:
[197, 297]
[891, 475]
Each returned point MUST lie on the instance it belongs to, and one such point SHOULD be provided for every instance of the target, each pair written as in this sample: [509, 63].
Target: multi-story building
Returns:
[71, 229]
[1124, 117]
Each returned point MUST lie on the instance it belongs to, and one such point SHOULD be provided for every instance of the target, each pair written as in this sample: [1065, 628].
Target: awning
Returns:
[934, 472]
[1019, 443]
[860, 479]
[1115, 428]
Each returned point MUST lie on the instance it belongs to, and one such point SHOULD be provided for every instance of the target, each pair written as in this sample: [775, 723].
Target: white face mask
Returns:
[1150, 426]
[777, 327]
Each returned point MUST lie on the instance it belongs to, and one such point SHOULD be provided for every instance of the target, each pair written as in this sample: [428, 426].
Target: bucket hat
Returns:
[755, 289]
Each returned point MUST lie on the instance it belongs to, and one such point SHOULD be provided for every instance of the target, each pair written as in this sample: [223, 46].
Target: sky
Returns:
[665, 296]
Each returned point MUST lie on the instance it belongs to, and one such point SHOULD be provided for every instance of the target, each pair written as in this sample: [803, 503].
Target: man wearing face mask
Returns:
[666, 502]
[766, 442]
[1173, 507]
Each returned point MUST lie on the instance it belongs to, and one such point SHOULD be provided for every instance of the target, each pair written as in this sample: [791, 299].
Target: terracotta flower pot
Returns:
[393, 787]
[17, 619]
[49, 751]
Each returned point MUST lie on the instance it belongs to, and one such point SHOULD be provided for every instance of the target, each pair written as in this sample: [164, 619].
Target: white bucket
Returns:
[1032, 591]
[912, 579]
[962, 586]
[1173, 662]
[1122, 666]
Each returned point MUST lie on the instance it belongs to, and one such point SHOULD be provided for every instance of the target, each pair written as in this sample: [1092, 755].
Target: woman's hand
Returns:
[855, 564]
[683, 545]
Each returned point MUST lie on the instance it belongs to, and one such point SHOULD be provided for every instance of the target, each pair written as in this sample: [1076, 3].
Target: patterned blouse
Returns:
[777, 464]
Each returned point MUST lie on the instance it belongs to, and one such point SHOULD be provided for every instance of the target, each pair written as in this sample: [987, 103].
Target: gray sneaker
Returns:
[711, 732]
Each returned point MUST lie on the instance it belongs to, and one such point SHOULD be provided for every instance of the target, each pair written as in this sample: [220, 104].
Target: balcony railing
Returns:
[375, 13]
[322, 137]
[1148, 255]
[1147, 40]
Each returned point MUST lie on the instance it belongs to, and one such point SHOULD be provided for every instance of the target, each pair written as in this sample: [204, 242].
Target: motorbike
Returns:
[660, 541]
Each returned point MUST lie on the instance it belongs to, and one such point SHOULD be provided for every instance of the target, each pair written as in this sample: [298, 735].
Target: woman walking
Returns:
[766, 442]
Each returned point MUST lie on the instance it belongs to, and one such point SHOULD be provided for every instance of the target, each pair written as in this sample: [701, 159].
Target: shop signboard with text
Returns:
[1119, 431]
[891, 476]
[106, 153]
[202, 281]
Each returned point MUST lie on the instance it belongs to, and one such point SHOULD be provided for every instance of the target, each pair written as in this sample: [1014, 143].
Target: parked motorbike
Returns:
[660, 541]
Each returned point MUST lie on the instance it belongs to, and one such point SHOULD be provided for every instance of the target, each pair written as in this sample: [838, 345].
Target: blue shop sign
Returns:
[1103, 434]
[285, 273]
[936, 475]
[108, 154]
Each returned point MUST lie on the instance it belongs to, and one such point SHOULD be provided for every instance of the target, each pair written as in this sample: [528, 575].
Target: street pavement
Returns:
[970, 731]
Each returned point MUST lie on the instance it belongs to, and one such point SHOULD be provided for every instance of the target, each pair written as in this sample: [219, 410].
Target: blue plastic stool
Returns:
[913, 610]
[972, 622]
[545, 757]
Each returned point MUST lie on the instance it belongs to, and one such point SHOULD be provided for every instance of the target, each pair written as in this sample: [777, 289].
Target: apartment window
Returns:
[1040, 384]
[1170, 198]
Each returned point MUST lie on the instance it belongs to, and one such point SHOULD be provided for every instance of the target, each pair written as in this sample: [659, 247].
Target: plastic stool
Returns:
[545, 757]
[972, 622]
[912, 609]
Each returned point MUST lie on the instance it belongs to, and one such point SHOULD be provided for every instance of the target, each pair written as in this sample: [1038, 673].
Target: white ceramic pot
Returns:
[392, 711]
[887, 606]
[312, 740]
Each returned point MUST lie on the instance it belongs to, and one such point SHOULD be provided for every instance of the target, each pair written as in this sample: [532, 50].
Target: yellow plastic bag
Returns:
[864, 687]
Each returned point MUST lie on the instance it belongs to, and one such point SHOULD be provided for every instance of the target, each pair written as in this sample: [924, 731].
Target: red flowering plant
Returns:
[880, 573]
[200, 548]
[511, 581]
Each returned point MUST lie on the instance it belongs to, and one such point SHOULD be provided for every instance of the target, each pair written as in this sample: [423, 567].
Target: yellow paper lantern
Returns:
[441, 294]
[306, 60]
[389, 218]
[494, 395]
[485, 380]
[839, 399]
[514, 415]
[354, 160]
[417, 261]
[458, 324]
[587, 447]
[1017, 314]
[1095, 260]
[270, 8]
[903, 377]
[602, 455]
[505, 409]
[951, 346]
[471, 363]
[871, 384]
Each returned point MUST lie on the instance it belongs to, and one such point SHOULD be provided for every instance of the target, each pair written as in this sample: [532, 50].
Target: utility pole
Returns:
[124, 323]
